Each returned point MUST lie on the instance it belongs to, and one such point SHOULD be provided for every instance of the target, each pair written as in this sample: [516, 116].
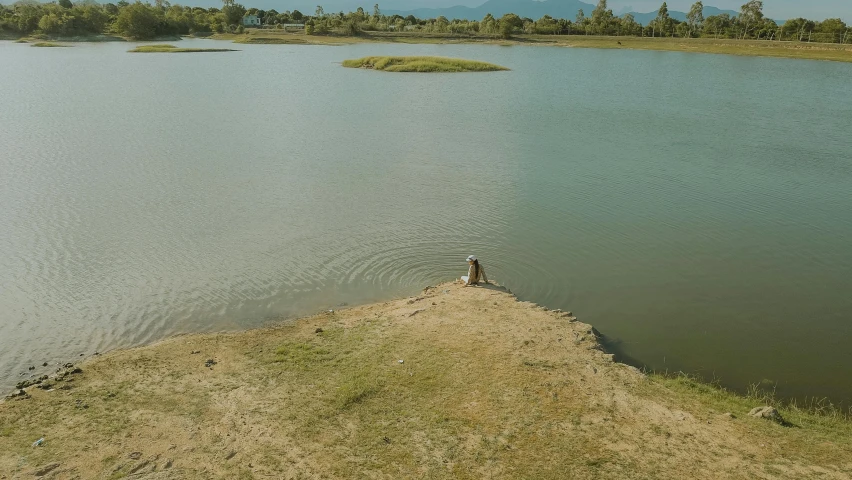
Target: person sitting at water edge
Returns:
[474, 272]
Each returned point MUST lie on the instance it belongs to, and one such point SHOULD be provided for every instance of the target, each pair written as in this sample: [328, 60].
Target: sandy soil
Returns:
[454, 383]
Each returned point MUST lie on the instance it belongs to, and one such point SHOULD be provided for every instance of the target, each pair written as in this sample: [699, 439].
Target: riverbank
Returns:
[754, 48]
[84, 38]
[760, 48]
[454, 383]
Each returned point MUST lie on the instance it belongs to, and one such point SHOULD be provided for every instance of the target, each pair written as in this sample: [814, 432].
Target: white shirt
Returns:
[471, 275]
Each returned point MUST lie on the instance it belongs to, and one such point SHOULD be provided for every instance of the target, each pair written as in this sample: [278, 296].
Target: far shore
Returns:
[757, 48]
[761, 48]
[454, 383]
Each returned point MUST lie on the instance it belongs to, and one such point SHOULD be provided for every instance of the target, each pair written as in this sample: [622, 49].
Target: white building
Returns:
[251, 21]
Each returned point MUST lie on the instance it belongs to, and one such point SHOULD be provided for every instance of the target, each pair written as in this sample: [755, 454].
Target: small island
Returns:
[173, 49]
[422, 64]
[272, 40]
[47, 44]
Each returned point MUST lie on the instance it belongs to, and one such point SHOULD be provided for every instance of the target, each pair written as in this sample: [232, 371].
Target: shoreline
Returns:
[750, 48]
[453, 382]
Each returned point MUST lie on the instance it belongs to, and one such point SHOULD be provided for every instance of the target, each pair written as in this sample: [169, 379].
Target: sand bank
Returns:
[453, 383]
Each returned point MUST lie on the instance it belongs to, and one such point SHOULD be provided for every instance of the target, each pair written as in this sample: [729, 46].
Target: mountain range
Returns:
[535, 9]
[461, 9]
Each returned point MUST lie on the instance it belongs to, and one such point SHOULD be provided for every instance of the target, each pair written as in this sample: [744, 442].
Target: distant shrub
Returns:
[351, 28]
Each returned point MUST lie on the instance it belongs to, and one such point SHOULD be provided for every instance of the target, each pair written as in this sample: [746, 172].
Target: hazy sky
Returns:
[777, 9]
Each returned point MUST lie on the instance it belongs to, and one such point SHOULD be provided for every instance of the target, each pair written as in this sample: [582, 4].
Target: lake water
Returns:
[696, 209]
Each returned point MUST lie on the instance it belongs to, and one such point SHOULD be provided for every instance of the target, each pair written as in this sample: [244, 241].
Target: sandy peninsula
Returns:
[453, 383]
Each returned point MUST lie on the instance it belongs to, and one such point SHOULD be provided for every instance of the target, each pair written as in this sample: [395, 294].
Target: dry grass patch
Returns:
[757, 48]
[162, 48]
[47, 44]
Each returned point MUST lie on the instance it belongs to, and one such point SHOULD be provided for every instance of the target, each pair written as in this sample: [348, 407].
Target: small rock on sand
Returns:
[769, 413]
[18, 394]
[23, 384]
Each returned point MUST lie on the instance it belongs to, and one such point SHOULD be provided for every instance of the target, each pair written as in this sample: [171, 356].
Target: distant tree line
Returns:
[144, 20]
[749, 24]
[135, 20]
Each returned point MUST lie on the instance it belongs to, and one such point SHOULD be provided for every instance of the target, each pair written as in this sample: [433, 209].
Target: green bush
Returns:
[137, 21]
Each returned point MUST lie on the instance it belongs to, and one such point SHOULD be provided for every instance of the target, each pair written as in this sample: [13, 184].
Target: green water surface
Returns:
[697, 209]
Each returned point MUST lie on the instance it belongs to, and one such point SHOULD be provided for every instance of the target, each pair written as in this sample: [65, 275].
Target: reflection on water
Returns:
[695, 208]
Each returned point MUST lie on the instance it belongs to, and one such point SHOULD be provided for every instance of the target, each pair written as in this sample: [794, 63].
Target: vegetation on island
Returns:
[48, 44]
[422, 64]
[282, 40]
[173, 49]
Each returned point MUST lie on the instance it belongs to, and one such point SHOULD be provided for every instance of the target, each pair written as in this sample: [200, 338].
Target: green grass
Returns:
[48, 44]
[302, 354]
[422, 64]
[356, 389]
[815, 414]
[162, 48]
